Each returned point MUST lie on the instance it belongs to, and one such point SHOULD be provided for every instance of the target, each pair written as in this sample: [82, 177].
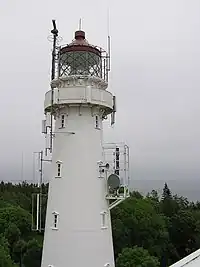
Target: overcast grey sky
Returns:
[155, 76]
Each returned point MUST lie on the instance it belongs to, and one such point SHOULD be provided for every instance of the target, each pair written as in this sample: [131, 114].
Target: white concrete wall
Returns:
[78, 197]
[80, 95]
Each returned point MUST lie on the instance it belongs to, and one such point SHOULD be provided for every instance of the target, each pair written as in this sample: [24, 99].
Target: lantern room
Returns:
[83, 59]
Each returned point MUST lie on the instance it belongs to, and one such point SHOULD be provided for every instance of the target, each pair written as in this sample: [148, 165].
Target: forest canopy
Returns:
[148, 231]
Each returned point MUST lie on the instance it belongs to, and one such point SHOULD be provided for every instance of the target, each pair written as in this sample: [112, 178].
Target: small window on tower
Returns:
[103, 220]
[59, 169]
[97, 122]
[62, 121]
[55, 220]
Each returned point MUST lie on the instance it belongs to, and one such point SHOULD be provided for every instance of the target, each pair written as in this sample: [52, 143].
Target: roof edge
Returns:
[191, 257]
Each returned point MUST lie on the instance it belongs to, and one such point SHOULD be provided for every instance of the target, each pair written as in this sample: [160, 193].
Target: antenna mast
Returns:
[109, 49]
[38, 197]
[55, 35]
[109, 67]
[80, 24]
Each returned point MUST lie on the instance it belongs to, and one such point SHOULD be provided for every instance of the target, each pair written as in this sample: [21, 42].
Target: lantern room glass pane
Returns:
[80, 63]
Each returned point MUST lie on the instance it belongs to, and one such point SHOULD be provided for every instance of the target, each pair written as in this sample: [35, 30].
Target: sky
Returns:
[155, 66]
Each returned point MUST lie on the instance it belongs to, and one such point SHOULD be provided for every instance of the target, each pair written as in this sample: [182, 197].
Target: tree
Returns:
[5, 259]
[154, 198]
[136, 257]
[166, 193]
[168, 205]
[166, 228]
[15, 215]
[136, 222]
[153, 195]
[183, 232]
[182, 203]
[12, 234]
[32, 257]
[19, 250]
[136, 194]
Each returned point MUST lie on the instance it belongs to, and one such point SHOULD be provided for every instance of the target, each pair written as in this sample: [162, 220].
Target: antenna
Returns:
[37, 197]
[80, 24]
[113, 181]
[114, 111]
[108, 21]
[109, 39]
[55, 35]
[55, 72]
[22, 166]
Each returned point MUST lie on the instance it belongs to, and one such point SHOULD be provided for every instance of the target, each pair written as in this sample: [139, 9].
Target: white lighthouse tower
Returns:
[87, 178]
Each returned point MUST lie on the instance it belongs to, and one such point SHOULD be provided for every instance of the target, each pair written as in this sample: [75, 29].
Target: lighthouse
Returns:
[88, 178]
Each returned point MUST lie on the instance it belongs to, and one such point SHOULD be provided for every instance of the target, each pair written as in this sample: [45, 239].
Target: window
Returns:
[62, 121]
[97, 122]
[55, 220]
[103, 220]
[59, 167]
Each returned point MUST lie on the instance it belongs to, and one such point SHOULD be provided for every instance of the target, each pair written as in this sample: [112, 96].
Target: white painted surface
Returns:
[192, 260]
[80, 95]
[78, 196]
